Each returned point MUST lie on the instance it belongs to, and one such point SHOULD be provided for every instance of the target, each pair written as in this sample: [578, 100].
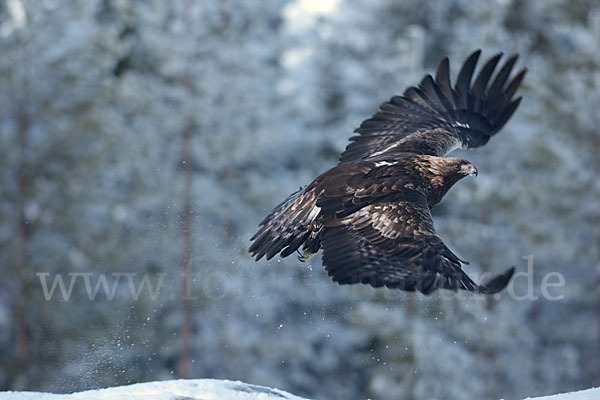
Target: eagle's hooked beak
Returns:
[468, 169]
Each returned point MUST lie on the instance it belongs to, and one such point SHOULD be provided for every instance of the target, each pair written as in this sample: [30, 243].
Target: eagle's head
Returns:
[449, 167]
[445, 171]
[465, 168]
[442, 173]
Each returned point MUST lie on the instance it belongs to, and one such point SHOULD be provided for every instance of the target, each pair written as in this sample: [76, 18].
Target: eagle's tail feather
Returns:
[287, 227]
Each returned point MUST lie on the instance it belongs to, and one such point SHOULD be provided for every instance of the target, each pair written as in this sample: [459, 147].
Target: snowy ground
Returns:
[210, 389]
[589, 394]
[194, 389]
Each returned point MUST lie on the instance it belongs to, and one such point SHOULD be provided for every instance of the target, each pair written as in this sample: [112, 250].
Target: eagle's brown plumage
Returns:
[371, 213]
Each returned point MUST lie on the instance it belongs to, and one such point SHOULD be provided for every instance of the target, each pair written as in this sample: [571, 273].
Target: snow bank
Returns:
[211, 389]
[589, 394]
[193, 389]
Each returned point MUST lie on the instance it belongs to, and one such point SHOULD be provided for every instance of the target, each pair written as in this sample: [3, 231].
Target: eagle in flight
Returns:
[370, 214]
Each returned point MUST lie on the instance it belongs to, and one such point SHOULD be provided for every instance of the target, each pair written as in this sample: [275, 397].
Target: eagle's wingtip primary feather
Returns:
[497, 283]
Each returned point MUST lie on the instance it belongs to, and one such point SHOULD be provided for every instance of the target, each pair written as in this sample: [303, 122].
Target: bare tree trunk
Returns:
[185, 360]
[597, 286]
[23, 183]
[596, 144]
[184, 367]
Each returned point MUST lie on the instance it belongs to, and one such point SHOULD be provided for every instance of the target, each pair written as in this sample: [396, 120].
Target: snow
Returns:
[589, 394]
[212, 389]
[201, 389]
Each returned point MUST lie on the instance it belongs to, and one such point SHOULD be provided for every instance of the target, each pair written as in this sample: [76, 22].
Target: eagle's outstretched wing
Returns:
[394, 244]
[436, 118]
[287, 227]
[291, 224]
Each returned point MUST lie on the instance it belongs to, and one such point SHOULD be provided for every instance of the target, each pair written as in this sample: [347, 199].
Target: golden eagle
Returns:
[371, 213]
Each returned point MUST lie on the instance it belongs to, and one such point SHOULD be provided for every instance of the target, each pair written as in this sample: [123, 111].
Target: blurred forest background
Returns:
[150, 138]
